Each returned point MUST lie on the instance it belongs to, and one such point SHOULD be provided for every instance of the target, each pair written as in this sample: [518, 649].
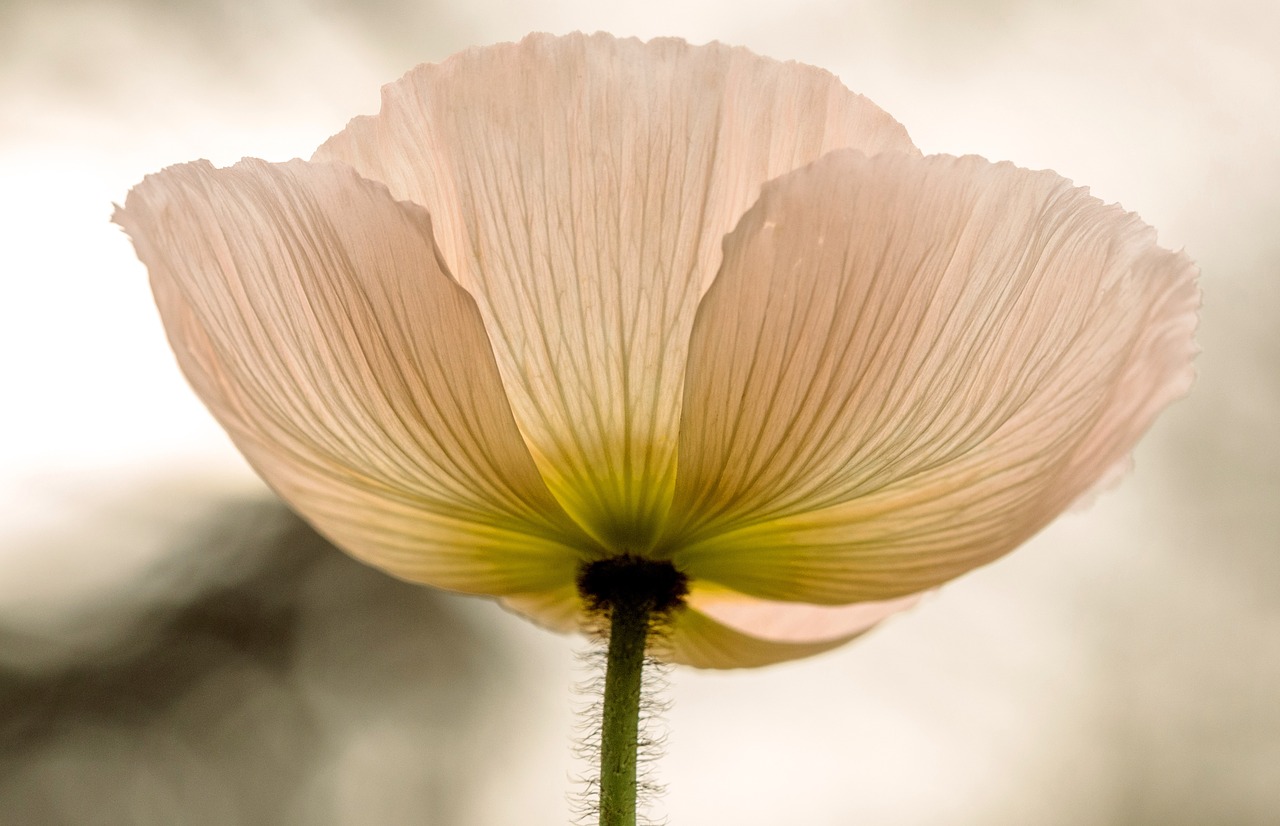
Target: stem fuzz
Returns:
[619, 736]
[636, 595]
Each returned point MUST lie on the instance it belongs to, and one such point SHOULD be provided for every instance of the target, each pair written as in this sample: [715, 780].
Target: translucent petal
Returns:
[908, 366]
[581, 188]
[702, 642]
[722, 629]
[793, 622]
[558, 609]
[309, 311]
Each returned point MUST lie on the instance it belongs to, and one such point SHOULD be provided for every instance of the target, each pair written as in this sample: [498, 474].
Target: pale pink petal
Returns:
[793, 622]
[581, 188]
[700, 641]
[722, 630]
[908, 366]
[310, 312]
[719, 628]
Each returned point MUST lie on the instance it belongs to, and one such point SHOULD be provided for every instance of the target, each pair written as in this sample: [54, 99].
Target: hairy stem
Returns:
[619, 736]
[637, 595]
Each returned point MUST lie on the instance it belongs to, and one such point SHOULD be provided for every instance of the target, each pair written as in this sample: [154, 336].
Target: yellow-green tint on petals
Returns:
[310, 312]
[908, 366]
[581, 188]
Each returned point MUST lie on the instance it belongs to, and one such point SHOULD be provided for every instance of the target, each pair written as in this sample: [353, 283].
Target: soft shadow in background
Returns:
[298, 686]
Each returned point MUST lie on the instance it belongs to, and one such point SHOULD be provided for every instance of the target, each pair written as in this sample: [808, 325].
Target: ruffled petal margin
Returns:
[908, 366]
[311, 314]
[581, 187]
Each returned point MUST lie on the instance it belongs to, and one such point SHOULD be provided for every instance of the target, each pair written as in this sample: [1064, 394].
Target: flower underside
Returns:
[582, 299]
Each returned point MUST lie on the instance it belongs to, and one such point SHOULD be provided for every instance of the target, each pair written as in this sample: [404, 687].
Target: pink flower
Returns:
[580, 297]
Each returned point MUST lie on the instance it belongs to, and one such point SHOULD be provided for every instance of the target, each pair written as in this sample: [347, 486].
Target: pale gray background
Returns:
[176, 649]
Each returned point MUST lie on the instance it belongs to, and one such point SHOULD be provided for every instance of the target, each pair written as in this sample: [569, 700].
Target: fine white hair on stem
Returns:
[651, 738]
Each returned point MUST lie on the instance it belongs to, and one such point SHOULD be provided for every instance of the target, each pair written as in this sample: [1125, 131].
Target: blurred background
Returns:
[176, 648]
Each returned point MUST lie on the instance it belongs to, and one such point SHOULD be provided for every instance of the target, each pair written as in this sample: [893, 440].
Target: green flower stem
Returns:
[637, 595]
[619, 735]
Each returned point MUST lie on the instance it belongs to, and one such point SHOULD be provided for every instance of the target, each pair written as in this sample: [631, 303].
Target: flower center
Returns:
[655, 586]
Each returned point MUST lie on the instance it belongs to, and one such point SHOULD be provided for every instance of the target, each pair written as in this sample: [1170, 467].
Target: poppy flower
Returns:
[579, 298]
